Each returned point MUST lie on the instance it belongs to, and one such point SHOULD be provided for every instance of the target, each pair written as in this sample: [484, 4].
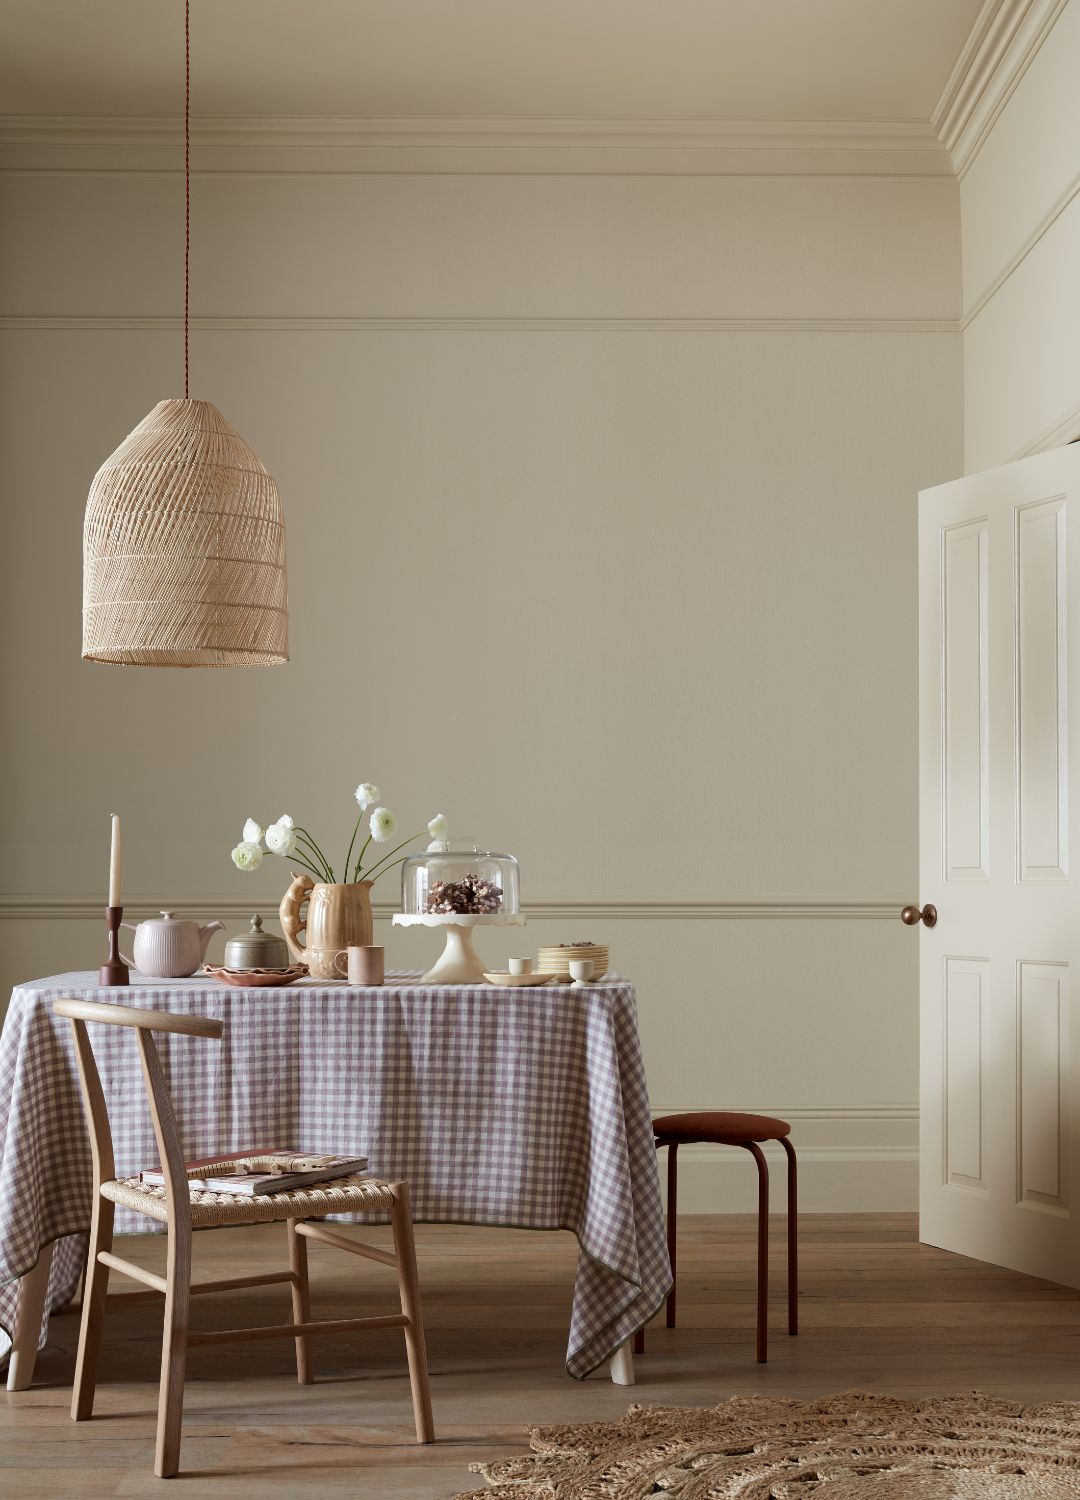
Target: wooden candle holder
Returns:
[115, 971]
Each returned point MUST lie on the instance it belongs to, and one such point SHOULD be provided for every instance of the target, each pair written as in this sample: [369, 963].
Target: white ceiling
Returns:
[833, 60]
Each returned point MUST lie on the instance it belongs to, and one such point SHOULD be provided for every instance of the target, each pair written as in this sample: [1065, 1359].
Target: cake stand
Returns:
[459, 962]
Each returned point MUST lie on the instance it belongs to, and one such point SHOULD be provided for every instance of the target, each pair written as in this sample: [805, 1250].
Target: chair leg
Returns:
[409, 1288]
[763, 1251]
[792, 1238]
[672, 1212]
[173, 1351]
[301, 1301]
[95, 1288]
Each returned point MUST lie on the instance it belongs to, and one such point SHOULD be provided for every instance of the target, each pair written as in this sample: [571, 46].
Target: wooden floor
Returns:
[879, 1311]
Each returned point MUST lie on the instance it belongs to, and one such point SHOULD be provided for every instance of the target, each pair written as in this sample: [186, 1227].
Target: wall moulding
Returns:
[347, 144]
[1000, 48]
[44, 322]
[602, 908]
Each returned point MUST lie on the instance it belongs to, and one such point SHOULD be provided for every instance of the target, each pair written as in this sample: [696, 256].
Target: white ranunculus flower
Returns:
[247, 855]
[367, 794]
[438, 828]
[281, 838]
[383, 825]
[252, 832]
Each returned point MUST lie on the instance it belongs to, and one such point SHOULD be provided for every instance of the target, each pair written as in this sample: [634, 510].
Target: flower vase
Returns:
[338, 918]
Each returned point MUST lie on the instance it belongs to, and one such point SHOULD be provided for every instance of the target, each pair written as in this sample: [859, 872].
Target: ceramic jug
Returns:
[338, 917]
[168, 947]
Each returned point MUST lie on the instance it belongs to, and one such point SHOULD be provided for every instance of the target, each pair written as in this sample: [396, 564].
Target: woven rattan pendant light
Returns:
[184, 537]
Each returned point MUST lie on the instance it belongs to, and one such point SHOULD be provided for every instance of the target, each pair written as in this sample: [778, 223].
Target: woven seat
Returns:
[723, 1127]
[345, 1195]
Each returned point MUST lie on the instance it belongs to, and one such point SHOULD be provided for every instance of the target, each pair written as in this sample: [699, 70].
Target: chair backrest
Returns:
[143, 1023]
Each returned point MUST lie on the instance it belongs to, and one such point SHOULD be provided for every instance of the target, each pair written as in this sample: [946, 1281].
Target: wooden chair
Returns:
[733, 1128]
[183, 1210]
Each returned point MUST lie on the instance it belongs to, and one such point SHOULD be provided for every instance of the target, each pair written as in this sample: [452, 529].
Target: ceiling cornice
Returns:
[1000, 48]
[339, 143]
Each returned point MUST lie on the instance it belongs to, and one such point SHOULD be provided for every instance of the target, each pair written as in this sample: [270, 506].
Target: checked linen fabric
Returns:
[522, 1107]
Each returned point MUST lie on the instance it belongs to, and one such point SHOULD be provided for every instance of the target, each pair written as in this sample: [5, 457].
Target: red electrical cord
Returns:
[187, 181]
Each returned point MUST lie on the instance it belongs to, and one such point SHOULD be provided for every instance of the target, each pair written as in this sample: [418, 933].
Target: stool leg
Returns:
[792, 1238]
[763, 1251]
[672, 1212]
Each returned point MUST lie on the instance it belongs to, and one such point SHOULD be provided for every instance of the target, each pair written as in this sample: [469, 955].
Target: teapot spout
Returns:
[206, 933]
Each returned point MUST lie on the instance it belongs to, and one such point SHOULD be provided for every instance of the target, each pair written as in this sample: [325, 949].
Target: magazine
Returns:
[251, 1173]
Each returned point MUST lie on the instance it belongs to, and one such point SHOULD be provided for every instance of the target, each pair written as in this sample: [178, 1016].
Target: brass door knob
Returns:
[911, 916]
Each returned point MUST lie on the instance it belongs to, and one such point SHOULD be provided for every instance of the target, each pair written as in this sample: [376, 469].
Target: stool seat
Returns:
[724, 1127]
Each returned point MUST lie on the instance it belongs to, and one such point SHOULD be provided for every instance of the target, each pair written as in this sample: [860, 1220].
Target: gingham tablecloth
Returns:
[523, 1107]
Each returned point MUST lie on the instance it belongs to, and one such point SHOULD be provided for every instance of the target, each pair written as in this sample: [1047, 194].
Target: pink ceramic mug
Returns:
[366, 964]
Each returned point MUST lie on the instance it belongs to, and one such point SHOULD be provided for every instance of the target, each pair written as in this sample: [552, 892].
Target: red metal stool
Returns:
[728, 1128]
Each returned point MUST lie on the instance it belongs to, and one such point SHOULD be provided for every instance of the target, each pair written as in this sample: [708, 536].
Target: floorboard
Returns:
[878, 1311]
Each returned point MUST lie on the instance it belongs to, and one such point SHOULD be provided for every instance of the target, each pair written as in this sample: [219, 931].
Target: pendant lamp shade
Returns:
[184, 548]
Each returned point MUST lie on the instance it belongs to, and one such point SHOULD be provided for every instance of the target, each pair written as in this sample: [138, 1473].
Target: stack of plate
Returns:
[557, 960]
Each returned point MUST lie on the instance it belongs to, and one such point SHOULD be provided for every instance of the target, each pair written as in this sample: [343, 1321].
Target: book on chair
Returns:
[250, 1174]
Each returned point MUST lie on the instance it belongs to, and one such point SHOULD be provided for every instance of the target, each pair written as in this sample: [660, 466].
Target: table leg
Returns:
[32, 1289]
[622, 1365]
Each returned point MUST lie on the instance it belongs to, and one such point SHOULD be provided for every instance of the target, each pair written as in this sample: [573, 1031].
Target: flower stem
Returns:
[385, 857]
[386, 870]
[299, 859]
[360, 859]
[352, 841]
[328, 872]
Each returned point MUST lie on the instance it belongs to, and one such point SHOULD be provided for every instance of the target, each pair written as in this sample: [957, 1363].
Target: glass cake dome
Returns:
[458, 878]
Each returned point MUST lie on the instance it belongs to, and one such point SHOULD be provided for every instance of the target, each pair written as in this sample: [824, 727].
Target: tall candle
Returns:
[114, 864]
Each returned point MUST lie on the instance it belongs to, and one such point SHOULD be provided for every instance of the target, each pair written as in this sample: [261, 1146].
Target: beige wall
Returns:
[600, 495]
[1020, 215]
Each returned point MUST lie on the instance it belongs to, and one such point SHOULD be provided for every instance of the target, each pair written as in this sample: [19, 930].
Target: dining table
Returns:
[523, 1107]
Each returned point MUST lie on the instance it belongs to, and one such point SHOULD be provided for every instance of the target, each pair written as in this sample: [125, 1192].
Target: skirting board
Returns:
[832, 1179]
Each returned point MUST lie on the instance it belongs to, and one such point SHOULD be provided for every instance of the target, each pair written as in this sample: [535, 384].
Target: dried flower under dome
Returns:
[469, 896]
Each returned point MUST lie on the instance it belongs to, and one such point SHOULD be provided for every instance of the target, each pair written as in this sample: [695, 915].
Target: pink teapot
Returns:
[168, 947]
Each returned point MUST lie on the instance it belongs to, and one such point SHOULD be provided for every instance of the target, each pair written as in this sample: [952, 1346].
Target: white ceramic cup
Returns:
[581, 970]
[521, 965]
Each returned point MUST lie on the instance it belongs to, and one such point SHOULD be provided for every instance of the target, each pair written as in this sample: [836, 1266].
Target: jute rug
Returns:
[854, 1446]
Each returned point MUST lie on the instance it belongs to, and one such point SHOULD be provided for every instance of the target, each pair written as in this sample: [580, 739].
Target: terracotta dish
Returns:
[247, 978]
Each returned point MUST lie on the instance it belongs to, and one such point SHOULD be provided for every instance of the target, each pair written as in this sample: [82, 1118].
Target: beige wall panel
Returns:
[638, 607]
[1020, 220]
[582, 246]
[1022, 352]
[1029, 163]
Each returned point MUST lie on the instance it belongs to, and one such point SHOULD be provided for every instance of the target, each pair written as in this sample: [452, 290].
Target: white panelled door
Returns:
[999, 587]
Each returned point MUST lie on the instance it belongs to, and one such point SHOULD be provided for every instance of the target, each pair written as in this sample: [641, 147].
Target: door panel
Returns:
[965, 664]
[965, 1024]
[999, 1077]
[1041, 696]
